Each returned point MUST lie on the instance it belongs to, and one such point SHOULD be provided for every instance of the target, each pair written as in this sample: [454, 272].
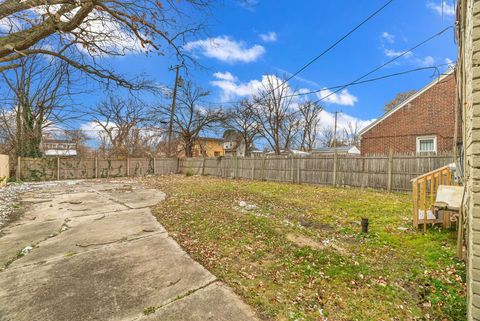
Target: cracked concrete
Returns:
[99, 254]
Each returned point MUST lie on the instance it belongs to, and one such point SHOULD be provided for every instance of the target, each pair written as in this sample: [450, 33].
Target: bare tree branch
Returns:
[92, 29]
[190, 118]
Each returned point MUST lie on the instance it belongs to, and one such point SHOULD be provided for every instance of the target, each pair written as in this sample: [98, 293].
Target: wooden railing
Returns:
[424, 191]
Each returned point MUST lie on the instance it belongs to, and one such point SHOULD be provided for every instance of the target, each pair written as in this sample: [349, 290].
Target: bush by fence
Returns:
[382, 172]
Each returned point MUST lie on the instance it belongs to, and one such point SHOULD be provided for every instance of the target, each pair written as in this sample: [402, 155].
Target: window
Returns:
[427, 144]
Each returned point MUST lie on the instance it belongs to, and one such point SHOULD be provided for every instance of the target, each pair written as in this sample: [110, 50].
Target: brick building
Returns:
[423, 123]
[468, 76]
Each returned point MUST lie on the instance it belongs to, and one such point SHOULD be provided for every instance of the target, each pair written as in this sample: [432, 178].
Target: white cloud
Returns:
[226, 49]
[388, 37]
[248, 4]
[327, 120]
[231, 88]
[392, 53]
[443, 8]
[297, 77]
[450, 62]
[343, 97]
[109, 36]
[426, 62]
[269, 37]
[225, 76]
[101, 34]
[93, 130]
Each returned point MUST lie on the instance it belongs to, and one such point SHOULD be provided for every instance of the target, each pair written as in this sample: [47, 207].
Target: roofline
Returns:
[405, 102]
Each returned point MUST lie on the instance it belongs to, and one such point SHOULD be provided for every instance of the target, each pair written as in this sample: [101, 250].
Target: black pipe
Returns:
[364, 225]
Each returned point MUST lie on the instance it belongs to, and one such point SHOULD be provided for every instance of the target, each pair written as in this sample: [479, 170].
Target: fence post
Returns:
[263, 168]
[299, 170]
[128, 166]
[19, 164]
[96, 167]
[292, 169]
[154, 165]
[236, 167]
[335, 158]
[203, 166]
[58, 168]
[253, 167]
[390, 173]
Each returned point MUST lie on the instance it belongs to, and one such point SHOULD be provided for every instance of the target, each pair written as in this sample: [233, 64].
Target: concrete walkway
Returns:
[93, 251]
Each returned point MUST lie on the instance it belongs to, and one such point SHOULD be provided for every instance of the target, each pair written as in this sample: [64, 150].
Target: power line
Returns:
[386, 63]
[336, 43]
[401, 73]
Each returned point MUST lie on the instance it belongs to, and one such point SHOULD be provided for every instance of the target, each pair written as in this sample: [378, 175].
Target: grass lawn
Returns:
[296, 252]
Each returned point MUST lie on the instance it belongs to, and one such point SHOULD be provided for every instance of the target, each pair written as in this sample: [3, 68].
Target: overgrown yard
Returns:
[296, 252]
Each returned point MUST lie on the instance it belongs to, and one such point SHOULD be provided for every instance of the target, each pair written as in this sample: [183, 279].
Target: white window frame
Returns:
[420, 138]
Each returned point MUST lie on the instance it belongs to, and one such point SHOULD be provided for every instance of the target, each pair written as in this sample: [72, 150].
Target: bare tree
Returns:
[190, 119]
[309, 121]
[275, 115]
[144, 142]
[348, 135]
[119, 120]
[241, 118]
[79, 31]
[80, 138]
[37, 96]
[351, 134]
[325, 137]
[399, 98]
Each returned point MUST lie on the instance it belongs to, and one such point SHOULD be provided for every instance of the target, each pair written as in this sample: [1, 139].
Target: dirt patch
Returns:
[301, 240]
[315, 225]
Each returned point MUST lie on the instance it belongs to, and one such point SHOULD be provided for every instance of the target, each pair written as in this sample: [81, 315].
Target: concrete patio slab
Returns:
[214, 302]
[85, 233]
[99, 254]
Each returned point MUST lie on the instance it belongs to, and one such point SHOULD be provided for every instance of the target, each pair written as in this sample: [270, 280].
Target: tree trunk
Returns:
[188, 148]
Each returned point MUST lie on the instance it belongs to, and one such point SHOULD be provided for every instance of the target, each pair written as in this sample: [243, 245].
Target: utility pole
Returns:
[335, 131]
[172, 111]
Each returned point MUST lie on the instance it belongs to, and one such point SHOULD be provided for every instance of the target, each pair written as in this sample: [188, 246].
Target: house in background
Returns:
[342, 150]
[58, 148]
[289, 152]
[422, 124]
[204, 147]
[233, 143]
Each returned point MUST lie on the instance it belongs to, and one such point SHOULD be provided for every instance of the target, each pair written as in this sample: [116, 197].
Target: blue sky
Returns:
[243, 43]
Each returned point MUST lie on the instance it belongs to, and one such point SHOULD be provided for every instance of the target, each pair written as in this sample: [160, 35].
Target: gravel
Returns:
[9, 199]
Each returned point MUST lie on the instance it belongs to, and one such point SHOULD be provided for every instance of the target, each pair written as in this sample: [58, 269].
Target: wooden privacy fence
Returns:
[44, 169]
[382, 172]
[4, 170]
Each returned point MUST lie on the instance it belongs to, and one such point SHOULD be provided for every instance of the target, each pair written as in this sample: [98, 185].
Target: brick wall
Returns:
[430, 114]
[469, 92]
